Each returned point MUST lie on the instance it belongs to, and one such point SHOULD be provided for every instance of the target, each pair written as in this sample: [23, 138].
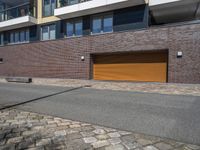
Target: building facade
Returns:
[126, 40]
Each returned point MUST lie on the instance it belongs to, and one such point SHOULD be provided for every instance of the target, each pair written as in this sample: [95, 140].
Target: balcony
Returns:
[18, 16]
[169, 11]
[75, 8]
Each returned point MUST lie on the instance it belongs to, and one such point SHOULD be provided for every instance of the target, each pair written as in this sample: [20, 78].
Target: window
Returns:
[19, 36]
[78, 28]
[48, 32]
[108, 24]
[48, 7]
[102, 23]
[52, 32]
[70, 29]
[1, 39]
[97, 25]
[1, 60]
[71, 2]
[74, 28]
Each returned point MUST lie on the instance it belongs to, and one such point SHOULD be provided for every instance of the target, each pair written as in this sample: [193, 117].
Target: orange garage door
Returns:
[146, 66]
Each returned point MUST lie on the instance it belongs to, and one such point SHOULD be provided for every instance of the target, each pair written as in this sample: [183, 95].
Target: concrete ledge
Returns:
[19, 79]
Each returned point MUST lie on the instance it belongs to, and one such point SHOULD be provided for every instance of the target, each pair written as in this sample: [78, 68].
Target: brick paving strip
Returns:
[27, 130]
[160, 88]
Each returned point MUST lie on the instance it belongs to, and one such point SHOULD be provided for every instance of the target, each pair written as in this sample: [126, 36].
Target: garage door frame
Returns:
[93, 55]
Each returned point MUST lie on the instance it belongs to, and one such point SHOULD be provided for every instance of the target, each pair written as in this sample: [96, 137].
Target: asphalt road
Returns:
[174, 117]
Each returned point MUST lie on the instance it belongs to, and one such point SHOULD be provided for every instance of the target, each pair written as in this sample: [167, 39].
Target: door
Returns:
[139, 66]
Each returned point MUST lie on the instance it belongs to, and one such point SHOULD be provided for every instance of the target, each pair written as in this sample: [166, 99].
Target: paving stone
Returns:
[71, 131]
[36, 148]
[110, 130]
[130, 145]
[64, 124]
[74, 136]
[150, 148]
[87, 134]
[99, 131]
[58, 139]
[15, 140]
[48, 133]
[38, 128]
[90, 139]
[20, 117]
[85, 124]
[2, 135]
[114, 134]
[115, 141]
[43, 142]
[51, 122]
[2, 142]
[4, 125]
[193, 147]
[60, 146]
[147, 137]
[124, 132]
[75, 126]
[51, 125]
[102, 137]
[11, 121]
[78, 144]
[99, 144]
[144, 142]
[87, 128]
[163, 146]
[115, 147]
[26, 143]
[75, 122]
[16, 130]
[128, 138]
[13, 134]
[60, 133]
[28, 133]
[7, 147]
[61, 128]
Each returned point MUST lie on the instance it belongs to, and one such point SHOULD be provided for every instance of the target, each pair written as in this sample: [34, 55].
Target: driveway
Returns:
[174, 117]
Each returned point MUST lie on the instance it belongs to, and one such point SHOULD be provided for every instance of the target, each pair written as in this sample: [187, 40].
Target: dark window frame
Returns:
[1, 39]
[41, 32]
[27, 38]
[51, 10]
[102, 16]
[73, 21]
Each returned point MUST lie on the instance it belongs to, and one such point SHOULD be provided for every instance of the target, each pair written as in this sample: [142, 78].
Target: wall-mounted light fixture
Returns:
[179, 54]
[82, 58]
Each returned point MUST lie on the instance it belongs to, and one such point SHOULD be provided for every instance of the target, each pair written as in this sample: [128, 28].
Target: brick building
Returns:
[128, 40]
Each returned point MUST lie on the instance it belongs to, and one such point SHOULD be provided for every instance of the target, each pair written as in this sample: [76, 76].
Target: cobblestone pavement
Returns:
[27, 130]
[162, 88]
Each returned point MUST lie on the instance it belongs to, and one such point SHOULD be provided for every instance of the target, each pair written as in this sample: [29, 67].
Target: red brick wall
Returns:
[62, 58]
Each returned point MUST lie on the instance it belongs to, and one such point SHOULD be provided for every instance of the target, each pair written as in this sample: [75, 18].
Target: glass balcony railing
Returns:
[62, 3]
[17, 11]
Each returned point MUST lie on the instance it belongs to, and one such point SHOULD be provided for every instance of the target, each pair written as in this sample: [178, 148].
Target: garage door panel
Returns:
[115, 68]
